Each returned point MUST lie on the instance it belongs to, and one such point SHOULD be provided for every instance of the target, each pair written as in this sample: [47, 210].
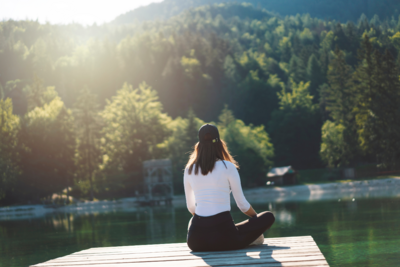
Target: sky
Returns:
[85, 12]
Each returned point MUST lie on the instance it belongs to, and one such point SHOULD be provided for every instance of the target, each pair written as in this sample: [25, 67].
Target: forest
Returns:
[82, 107]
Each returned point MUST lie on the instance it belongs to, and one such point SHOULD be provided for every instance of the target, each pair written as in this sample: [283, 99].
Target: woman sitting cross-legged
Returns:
[210, 175]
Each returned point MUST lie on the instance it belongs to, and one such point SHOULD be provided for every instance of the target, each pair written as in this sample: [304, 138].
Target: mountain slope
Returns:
[342, 10]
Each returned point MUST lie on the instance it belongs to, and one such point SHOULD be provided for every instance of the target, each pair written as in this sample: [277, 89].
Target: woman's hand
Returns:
[251, 212]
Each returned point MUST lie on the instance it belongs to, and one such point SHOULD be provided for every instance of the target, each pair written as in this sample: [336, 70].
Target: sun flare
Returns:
[85, 12]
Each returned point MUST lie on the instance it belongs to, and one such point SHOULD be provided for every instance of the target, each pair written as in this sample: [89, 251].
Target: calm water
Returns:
[364, 232]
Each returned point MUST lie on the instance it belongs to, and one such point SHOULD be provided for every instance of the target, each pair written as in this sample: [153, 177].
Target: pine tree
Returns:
[339, 77]
[226, 117]
[9, 157]
[2, 93]
[353, 42]
[364, 71]
[88, 126]
[378, 115]
[315, 76]
[191, 130]
[48, 147]
[340, 101]
[391, 111]
[295, 127]
[340, 39]
[297, 69]
[341, 96]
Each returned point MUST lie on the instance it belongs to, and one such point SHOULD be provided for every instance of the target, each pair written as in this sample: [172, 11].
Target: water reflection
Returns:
[63, 221]
[160, 226]
[285, 216]
[363, 232]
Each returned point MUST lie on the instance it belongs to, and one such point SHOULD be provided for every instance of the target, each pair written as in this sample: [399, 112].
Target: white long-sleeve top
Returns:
[207, 195]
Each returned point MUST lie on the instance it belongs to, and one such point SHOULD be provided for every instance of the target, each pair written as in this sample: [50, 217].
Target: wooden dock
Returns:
[285, 251]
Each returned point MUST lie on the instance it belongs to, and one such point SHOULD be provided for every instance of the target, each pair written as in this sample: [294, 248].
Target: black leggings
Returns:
[219, 232]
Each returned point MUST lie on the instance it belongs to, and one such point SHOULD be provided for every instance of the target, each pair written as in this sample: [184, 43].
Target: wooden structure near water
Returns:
[158, 182]
[284, 251]
[282, 176]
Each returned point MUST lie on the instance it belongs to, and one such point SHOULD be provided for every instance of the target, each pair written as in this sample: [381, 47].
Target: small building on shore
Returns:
[282, 176]
[158, 182]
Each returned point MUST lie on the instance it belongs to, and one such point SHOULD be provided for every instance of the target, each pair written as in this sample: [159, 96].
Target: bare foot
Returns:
[258, 241]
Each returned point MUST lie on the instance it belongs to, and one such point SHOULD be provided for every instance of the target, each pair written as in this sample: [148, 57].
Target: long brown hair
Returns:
[205, 155]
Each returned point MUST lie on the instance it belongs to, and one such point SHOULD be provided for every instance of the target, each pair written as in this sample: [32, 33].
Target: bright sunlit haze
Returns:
[85, 12]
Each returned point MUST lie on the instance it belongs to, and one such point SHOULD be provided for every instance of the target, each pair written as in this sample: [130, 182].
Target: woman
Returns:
[210, 175]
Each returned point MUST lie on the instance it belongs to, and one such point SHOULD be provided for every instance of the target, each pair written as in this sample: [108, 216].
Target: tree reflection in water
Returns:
[363, 232]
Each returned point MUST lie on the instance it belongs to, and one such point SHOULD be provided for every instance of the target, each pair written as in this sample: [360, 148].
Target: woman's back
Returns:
[209, 194]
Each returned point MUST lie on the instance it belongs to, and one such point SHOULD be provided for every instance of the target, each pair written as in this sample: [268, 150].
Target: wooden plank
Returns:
[285, 264]
[184, 251]
[268, 240]
[288, 251]
[205, 263]
[264, 249]
[166, 257]
[199, 262]
[150, 253]
[169, 248]
[185, 248]
[142, 249]
[278, 264]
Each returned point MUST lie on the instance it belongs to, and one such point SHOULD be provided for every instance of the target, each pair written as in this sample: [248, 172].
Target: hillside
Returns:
[340, 10]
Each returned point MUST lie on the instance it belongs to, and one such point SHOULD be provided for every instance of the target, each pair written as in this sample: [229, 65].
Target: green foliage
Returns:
[314, 75]
[396, 40]
[378, 112]
[364, 108]
[226, 117]
[211, 55]
[11, 85]
[333, 145]
[179, 144]
[295, 128]
[341, 93]
[327, 40]
[188, 68]
[340, 102]
[38, 95]
[2, 94]
[133, 127]
[190, 65]
[250, 146]
[297, 69]
[9, 157]
[48, 148]
[88, 126]
[298, 97]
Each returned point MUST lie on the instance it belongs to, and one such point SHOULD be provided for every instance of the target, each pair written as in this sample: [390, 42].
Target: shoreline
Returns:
[387, 187]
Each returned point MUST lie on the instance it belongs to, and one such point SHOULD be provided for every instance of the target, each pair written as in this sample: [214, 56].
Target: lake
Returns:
[349, 232]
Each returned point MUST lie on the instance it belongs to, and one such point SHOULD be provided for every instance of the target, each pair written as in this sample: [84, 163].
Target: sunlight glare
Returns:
[85, 12]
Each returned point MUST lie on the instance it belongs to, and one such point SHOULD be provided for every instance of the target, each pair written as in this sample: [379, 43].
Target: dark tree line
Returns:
[342, 10]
